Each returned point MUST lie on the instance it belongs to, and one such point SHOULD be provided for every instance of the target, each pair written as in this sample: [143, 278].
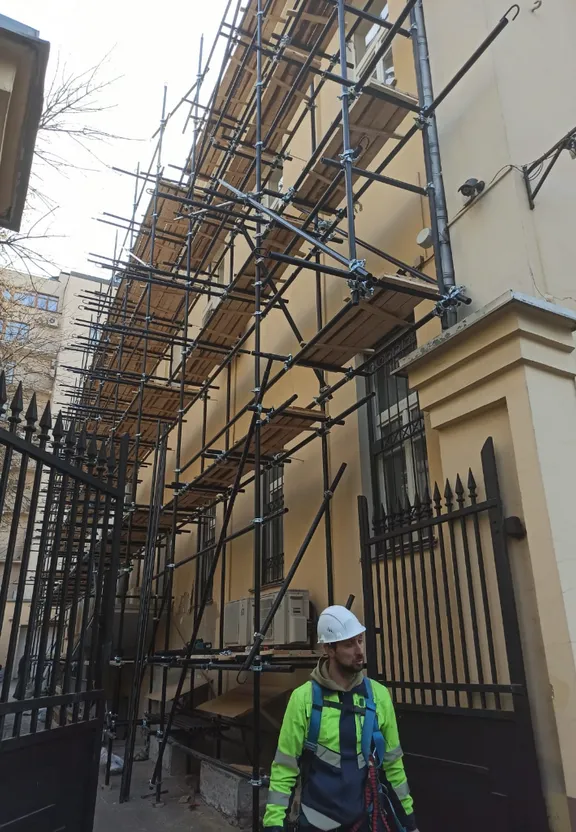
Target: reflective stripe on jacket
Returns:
[286, 765]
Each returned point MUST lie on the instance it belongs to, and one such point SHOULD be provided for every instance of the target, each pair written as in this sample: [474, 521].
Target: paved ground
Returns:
[139, 815]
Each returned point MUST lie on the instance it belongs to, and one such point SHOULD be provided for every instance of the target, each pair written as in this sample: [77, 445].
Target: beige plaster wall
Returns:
[512, 106]
[497, 376]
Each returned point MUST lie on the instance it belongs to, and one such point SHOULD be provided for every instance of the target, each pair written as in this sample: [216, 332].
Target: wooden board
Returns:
[382, 120]
[363, 327]
[220, 475]
[238, 702]
[171, 689]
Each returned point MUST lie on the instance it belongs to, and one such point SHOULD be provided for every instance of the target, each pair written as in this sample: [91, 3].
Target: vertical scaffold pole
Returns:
[435, 185]
[324, 438]
[347, 155]
[258, 394]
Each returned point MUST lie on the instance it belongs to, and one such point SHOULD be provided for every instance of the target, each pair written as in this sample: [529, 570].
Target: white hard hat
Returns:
[338, 624]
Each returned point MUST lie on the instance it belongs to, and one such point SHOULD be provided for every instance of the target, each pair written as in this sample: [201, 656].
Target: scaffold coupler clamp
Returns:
[421, 120]
[349, 155]
[454, 297]
[354, 92]
[361, 285]
[257, 663]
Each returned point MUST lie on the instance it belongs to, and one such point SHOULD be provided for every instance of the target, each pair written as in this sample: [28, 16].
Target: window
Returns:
[273, 534]
[400, 464]
[47, 302]
[39, 300]
[94, 333]
[25, 298]
[206, 538]
[367, 41]
[15, 331]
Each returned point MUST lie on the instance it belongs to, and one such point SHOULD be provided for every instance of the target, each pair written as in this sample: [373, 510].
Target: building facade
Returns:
[421, 402]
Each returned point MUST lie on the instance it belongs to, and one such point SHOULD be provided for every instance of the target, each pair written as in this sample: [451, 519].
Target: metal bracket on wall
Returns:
[536, 173]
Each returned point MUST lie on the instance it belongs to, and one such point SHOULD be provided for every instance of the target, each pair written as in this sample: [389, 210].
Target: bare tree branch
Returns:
[72, 104]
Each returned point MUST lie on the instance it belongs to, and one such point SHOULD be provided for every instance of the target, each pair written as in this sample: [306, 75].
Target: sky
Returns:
[148, 45]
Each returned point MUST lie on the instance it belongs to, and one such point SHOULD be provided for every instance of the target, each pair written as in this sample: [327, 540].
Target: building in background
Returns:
[39, 338]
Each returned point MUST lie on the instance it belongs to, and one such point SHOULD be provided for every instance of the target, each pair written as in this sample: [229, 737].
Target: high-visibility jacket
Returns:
[337, 773]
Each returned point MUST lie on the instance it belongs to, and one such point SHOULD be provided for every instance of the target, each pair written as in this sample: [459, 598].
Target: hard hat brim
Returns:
[357, 631]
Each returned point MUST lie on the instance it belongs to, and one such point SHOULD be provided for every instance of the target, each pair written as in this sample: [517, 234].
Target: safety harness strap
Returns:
[311, 743]
[371, 734]
[371, 730]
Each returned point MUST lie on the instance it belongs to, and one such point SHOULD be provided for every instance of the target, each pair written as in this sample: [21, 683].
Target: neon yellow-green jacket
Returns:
[295, 727]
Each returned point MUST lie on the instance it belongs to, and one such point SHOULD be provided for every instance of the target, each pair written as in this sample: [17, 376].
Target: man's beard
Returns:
[348, 670]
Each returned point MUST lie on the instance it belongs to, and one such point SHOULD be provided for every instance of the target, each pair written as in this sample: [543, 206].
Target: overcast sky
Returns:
[150, 44]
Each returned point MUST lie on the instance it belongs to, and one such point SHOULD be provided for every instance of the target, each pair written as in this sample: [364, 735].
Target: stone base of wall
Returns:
[229, 793]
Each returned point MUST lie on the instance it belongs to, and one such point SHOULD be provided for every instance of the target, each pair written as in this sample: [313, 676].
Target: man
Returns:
[340, 736]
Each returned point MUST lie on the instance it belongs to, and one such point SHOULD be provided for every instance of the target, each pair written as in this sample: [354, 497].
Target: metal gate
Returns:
[61, 502]
[443, 635]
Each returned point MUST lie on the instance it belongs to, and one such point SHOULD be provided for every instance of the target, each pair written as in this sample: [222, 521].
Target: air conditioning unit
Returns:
[238, 629]
[274, 203]
[289, 625]
[52, 321]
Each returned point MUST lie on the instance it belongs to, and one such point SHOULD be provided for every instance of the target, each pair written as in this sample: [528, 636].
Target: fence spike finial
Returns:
[102, 457]
[427, 502]
[472, 487]
[32, 411]
[437, 497]
[448, 496]
[16, 405]
[70, 440]
[46, 418]
[58, 431]
[407, 509]
[92, 454]
[81, 445]
[417, 504]
[459, 489]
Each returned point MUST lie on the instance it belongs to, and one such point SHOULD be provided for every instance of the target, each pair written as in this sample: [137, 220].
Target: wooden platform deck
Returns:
[221, 474]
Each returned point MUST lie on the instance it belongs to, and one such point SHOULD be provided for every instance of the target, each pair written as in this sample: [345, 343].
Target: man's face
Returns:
[348, 654]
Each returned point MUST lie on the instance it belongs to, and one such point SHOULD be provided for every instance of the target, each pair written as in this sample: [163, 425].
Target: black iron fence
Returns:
[61, 505]
[443, 635]
[438, 585]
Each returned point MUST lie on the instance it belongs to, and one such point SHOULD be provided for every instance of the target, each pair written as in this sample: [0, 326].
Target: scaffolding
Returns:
[145, 374]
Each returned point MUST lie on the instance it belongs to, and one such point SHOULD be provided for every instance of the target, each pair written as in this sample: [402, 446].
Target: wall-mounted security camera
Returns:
[471, 188]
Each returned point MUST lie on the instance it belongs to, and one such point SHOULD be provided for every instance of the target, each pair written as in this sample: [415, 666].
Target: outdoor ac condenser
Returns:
[238, 631]
[289, 625]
